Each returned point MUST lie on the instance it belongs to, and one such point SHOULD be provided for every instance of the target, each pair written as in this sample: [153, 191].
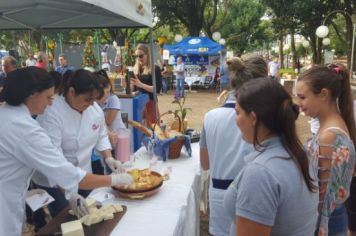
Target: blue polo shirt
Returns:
[270, 190]
[63, 69]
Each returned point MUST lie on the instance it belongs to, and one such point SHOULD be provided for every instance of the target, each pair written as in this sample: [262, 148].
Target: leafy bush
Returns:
[286, 71]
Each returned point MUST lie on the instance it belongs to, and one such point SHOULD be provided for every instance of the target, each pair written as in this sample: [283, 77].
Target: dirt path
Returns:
[202, 101]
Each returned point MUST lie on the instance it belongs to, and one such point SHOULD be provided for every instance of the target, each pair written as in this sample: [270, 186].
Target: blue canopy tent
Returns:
[194, 45]
[198, 53]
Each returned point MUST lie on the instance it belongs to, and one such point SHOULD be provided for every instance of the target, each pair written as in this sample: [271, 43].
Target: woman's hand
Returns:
[136, 82]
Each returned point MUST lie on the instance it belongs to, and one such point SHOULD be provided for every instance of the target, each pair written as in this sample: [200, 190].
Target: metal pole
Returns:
[47, 50]
[60, 36]
[97, 42]
[352, 52]
[153, 73]
[29, 40]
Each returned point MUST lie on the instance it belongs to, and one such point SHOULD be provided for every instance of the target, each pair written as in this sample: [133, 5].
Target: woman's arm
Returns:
[91, 181]
[245, 227]
[334, 175]
[110, 115]
[204, 154]
[204, 159]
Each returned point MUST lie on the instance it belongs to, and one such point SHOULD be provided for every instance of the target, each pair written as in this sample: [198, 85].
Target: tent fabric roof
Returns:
[194, 45]
[70, 14]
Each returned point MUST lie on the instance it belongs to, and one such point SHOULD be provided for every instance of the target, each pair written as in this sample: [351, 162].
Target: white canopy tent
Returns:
[76, 14]
[70, 14]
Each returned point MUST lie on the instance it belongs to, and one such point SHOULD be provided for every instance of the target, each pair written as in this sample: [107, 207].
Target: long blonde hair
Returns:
[145, 69]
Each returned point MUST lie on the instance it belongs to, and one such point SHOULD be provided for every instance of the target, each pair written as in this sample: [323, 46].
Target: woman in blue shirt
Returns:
[274, 193]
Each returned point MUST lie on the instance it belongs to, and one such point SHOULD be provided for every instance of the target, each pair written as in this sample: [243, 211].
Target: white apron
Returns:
[25, 146]
[75, 134]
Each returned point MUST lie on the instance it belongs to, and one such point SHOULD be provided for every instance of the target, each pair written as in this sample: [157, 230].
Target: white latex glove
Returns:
[121, 179]
[78, 204]
[35, 191]
[114, 165]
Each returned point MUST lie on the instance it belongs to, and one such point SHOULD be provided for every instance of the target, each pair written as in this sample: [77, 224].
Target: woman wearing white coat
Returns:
[76, 125]
[25, 146]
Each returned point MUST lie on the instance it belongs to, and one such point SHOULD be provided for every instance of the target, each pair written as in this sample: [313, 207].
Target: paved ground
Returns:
[202, 101]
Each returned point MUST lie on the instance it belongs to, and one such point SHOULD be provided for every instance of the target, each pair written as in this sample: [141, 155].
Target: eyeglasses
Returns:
[140, 56]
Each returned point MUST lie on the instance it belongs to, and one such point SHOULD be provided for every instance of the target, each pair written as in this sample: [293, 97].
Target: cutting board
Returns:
[103, 228]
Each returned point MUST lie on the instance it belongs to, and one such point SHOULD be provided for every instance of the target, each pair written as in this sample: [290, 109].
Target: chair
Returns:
[208, 82]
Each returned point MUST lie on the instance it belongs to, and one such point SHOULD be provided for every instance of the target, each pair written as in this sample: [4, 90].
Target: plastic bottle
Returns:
[123, 146]
[163, 126]
[127, 81]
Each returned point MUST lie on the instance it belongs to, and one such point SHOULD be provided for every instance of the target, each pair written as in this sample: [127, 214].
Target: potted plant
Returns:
[181, 112]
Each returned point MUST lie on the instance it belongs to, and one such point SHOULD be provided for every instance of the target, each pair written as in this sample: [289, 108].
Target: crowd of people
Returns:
[53, 124]
[62, 125]
[263, 180]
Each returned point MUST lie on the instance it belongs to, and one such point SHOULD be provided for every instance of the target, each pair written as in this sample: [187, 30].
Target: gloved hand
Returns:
[35, 191]
[78, 204]
[114, 165]
[121, 179]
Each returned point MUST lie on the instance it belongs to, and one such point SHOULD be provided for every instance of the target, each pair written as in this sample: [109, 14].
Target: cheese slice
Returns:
[107, 215]
[91, 202]
[104, 213]
[117, 207]
[72, 228]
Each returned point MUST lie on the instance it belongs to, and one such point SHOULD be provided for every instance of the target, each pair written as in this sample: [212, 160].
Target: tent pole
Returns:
[153, 72]
[97, 42]
[29, 41]
[60, 37]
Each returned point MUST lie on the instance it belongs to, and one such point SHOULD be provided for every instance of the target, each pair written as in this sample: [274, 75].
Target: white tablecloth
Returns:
[174, 210]
[292, 81]
[192, 79]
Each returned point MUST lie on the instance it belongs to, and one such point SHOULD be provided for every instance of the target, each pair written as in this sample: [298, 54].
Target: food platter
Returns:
[146, 183]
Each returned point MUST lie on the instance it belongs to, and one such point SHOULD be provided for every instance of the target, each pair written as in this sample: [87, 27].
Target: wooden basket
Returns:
[176, 146]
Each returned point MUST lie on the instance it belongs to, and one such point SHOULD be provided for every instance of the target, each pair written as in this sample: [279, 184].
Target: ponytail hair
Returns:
[335, 78]
[277, 112]
[103, 82]
[82, 81]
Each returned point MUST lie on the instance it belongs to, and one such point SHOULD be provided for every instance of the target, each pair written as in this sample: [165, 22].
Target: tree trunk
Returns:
[193, 30]
[294, 52]
[315, 42]
[349, 34]
[281, 55]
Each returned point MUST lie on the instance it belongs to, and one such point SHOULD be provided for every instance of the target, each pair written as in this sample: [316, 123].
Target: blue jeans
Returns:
[180, 87]
[60, 201]
[338, 222]
[164, 85]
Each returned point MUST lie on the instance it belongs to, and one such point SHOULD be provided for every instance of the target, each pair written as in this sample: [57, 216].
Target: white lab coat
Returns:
[75, 134]
[226, 150]
[25, 146]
